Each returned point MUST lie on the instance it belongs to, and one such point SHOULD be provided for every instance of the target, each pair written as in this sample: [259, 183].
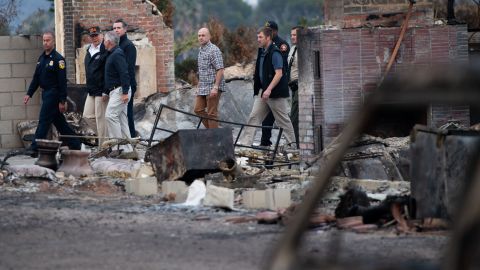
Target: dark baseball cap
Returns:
[272, 25]
[94, 30]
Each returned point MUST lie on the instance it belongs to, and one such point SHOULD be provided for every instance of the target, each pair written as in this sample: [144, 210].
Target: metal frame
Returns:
[269, 162]
[455, 86]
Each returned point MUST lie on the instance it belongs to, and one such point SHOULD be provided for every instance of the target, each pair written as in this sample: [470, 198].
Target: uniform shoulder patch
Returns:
[61, 64]
[283, 47]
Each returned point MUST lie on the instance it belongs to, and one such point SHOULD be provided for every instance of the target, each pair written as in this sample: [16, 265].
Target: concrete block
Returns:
[6, 127]
[5, 99]
[12, 56]
[5, 71]
[25, 42]
[4, 42]
[17, 98]
[272, 199]
[10, 141]
[12, 85]
[254, 199]
[13, 113]
[179, 188]
[23, 70]
[31, 56]
[219, 197]
[278, 198]
[33, 112]
[142, 186]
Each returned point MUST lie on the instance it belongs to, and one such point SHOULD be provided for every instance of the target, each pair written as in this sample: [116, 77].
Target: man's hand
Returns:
[125, 98]
[104, 98]
[266, 94]
[62, 107]
[26, 98]
[214, 92]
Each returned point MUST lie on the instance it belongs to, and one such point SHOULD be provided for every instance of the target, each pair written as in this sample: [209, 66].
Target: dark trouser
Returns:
[294, 115]
[131, 124]
[50, 114]
[267, 132]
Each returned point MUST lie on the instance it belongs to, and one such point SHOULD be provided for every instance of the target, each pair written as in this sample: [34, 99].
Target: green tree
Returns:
[36, 23]
[8, 11]
[289, 13]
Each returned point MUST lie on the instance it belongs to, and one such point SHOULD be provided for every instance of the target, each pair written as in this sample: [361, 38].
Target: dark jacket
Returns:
[131, 56]
[284, 48]
[281, 89]
[95, 71]
[116, 71]
[51, 75]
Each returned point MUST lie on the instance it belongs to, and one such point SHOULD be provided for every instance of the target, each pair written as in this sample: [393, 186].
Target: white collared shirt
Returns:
[93, 50]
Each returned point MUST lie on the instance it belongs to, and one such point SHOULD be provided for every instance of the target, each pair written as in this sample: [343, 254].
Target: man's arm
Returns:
[218, 79]
[131, 59]
[35, 81]
[62, 79]
[275, 80]
[122, 68]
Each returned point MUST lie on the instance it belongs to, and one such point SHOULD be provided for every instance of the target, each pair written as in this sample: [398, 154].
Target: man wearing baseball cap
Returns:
[95, 75]
[284, 50]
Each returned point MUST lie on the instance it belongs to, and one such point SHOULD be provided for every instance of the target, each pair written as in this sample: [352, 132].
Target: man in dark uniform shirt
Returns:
[284, 49]
[120, 27]
[50, 74]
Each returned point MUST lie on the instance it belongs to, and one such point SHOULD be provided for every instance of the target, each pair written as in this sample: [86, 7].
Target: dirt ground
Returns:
[82, 230]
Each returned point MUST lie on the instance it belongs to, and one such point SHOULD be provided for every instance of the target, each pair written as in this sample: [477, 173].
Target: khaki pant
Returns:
[211, 106]
[279, 108]
[95, 109]
[116, 117]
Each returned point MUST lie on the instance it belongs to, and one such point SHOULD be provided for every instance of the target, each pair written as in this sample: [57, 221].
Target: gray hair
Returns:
[113, 37]
[49, 32]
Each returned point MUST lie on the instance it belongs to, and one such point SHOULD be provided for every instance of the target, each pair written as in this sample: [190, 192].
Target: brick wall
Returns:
[358, 13]
[138, 14]
[18, 58]
[341, 67]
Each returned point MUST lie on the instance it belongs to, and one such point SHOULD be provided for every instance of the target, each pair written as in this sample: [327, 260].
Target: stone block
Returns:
[31, 56]
[13, 113]
[6, 127]
[278, 198]
[33, 112]
[272, 199]
[5, 71]
[17, 98]
[179, 188]
[254, 199]
[25, 42]
[142, 186]
[12, 85]
[23, 70]
[5, 99]
[11, 141]
[12, 56]
[4, 42]
[219, 197]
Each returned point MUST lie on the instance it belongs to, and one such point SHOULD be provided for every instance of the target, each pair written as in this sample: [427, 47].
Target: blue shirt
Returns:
[277, 62]
[50, 74]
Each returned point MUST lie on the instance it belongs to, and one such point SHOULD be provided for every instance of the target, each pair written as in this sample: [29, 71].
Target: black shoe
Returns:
[32, 153]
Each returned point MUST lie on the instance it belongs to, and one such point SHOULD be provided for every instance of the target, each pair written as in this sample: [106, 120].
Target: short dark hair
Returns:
[267, 31]
[297, 27]
[124, 24]
[49, 32]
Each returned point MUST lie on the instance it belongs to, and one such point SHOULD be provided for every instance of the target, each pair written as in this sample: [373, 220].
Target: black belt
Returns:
[113, 87]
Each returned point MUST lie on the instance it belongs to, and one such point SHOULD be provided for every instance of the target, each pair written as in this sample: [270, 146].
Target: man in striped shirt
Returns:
[211, 83]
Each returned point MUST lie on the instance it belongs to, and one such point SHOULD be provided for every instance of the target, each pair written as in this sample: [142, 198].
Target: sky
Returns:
[251, 2]
[27, 7]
